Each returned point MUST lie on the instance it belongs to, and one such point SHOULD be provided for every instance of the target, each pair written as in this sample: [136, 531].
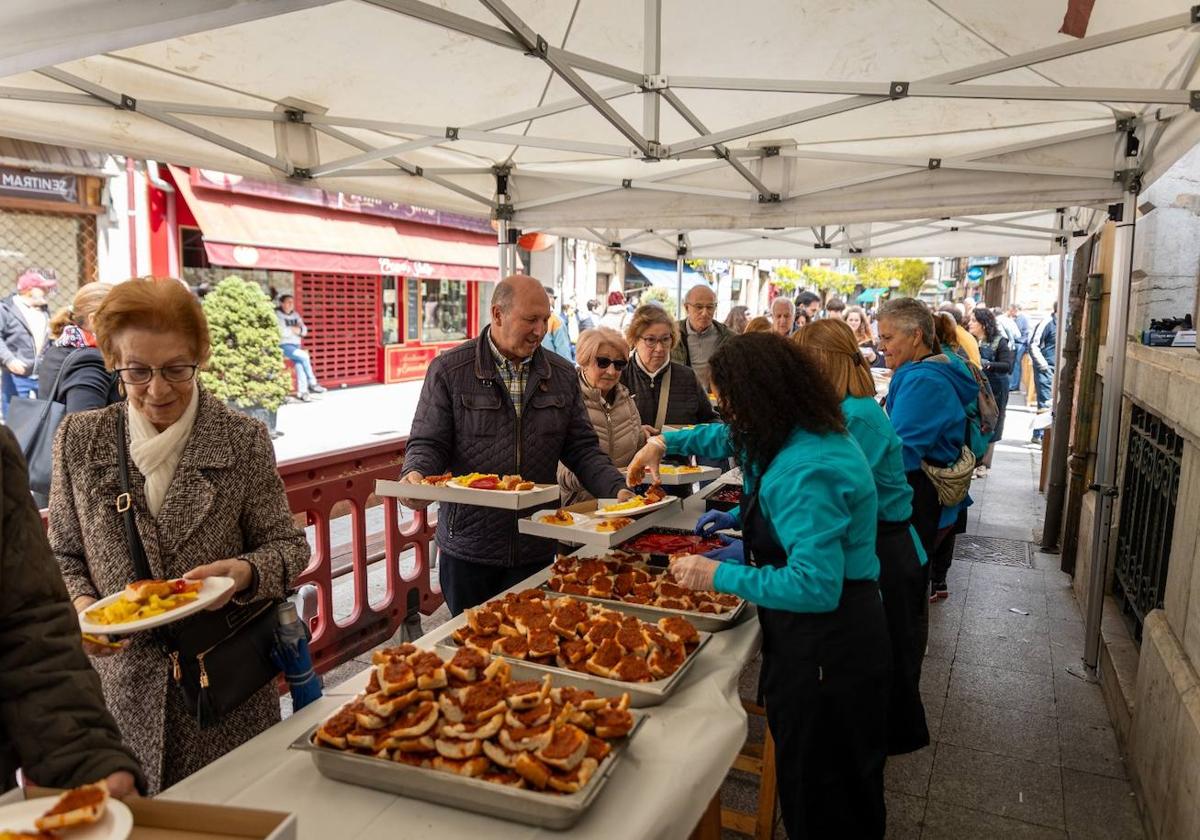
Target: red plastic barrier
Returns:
[315, 486]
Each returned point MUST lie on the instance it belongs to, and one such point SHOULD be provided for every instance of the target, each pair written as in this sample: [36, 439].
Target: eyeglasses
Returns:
[603, 362]
[143, 375]
[703, 307]
[656, 342]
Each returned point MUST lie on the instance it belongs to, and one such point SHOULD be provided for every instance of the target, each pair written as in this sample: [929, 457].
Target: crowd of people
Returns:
[851, 507]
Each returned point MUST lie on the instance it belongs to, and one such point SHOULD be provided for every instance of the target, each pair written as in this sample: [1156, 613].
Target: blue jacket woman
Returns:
[928, 399]
[808, 521]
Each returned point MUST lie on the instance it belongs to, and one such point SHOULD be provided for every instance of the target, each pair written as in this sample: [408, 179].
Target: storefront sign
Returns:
[349, 202]
[403, 364]
[975, 273]
[43, 186]
[283, 259]
[405, 268]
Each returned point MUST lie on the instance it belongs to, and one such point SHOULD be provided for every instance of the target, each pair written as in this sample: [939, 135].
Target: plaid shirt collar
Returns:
[514, 374]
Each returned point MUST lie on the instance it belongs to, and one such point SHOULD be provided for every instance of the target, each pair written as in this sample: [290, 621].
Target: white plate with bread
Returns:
[89, 814]
[146, 604]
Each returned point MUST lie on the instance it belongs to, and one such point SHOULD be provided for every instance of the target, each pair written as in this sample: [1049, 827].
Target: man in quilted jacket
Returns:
[501, 403]
[53, 723]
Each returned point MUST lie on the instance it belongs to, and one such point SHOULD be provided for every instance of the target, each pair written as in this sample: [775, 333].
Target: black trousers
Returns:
[943, 548]
[825, 683]
[905, 606]
[466, 584]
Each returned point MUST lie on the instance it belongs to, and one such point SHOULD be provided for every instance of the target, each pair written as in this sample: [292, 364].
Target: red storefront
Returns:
[383, 287]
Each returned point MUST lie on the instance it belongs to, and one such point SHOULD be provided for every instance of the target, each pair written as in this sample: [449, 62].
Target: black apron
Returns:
[825, 680]
[906, 607]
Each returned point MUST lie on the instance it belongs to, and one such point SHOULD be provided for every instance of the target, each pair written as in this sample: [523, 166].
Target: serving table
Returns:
[662, 788]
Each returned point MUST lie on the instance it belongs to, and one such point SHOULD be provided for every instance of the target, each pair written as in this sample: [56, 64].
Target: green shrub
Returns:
[246, 367]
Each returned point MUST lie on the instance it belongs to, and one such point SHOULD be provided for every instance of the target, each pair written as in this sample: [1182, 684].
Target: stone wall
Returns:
[1166, 253]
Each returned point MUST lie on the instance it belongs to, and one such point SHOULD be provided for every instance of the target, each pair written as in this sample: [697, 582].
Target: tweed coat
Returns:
[226, 500]
[53, 723]
[619, 429]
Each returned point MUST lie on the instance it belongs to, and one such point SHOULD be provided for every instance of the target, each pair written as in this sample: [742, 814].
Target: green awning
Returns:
[871, 295]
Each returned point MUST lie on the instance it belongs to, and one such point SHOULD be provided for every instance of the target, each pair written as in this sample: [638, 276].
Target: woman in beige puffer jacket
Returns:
[612, 410]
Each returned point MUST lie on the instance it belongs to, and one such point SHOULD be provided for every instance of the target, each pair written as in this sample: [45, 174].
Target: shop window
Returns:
[443, 310]
[202, 276]
[191, 248]
[392, 310]
[602, 281]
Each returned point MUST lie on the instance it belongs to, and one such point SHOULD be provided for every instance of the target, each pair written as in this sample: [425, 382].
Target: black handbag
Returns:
[221, 658]
[34, 422]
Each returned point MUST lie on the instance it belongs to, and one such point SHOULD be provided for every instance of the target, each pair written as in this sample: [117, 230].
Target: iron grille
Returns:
[342, 312]
[62, 245]
[1149, 490]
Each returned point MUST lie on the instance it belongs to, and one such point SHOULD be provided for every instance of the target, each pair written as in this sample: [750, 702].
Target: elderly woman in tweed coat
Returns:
[207, 500]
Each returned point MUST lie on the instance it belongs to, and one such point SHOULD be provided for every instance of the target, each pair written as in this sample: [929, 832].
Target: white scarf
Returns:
[156, 454]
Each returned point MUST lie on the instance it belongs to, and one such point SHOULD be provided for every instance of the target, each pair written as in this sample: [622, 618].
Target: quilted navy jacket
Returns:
[465, 422]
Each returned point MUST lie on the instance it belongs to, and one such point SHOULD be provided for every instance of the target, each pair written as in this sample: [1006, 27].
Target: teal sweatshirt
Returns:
[871, 429]
[819, 499]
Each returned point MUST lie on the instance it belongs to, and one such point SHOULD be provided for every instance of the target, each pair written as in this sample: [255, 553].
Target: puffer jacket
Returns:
[465, 422]
[53, 722]
[619, 428]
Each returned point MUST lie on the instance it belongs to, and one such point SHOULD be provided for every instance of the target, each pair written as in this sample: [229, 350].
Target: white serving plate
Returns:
[541, 494]
[637, 511]
[213, 588]
[679, 477]
[583, 530]
[116, 824]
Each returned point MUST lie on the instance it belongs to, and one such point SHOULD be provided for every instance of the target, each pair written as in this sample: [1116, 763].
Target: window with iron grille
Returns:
[1153, 459]
[61, 245]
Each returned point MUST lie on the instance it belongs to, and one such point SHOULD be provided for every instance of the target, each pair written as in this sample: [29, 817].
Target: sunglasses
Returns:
[603, 361]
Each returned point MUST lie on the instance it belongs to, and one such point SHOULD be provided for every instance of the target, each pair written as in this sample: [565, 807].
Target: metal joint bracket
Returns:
[855, 250]
[1107, 490]
[418, 171]
[543, 46]
[294, 115]
[1079, 233]
[1194, 100]
[451, 133]
[504, 213]
[1195, 14]
[1060, 240]
[616, 246]
[128, 103]
[681, 252]
[770, 151]
[954, 228]
[626, 183]
[1126, 124]
[654, 152]
[655, 83]
[768, 198]
[898, 90]
[1116, 212]
[302, 173]
[935, 163]
[1130, 179]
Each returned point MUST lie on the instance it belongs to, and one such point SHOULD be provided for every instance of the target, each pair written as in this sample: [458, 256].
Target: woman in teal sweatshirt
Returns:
[901, 559]
[808, 520]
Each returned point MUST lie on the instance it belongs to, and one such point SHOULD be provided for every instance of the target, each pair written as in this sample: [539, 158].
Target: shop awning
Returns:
[662, 273]
[244, 230]
[870, 295]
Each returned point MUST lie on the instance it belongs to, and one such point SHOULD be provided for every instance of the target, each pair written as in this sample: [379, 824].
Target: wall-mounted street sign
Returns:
[44, 186]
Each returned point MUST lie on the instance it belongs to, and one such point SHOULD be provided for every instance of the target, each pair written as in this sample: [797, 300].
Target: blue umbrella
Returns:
[292, 656]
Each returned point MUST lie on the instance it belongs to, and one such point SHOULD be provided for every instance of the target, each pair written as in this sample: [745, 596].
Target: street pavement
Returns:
[345, 417]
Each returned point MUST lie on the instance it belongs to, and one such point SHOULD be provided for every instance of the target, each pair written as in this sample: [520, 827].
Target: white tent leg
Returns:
[1110, 421]
[679, 288]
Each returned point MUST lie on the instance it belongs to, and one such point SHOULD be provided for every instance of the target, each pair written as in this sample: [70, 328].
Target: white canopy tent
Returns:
[594, 117]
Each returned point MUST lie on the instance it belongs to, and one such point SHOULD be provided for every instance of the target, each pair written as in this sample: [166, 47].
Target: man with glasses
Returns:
[702, 334]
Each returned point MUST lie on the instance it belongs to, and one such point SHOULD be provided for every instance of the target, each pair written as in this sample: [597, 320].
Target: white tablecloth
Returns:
[660, 790]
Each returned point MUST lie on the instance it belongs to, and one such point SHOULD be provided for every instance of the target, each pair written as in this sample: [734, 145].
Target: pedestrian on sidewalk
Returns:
[292, 331]
[833, 345]
[928, 399]
[557, 339]
[1021, 346]
[1043, 345]
[962, 339]
[24, 328]
[808, 562]
[996, 355]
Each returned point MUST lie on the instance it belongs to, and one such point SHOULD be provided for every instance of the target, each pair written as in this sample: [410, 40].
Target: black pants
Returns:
[943, 548]
[466, 584]
[825, 682]
[906, 607]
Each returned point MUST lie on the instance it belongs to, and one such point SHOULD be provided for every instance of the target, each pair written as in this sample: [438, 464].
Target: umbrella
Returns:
[292, 656]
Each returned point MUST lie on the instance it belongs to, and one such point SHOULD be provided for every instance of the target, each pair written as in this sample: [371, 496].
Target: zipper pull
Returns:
[176, 671]
[203, 672]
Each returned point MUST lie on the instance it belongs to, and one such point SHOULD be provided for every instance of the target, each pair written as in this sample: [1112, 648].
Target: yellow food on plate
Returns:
[122, 611]
[671, 469]
[631, 504]
[559, 517]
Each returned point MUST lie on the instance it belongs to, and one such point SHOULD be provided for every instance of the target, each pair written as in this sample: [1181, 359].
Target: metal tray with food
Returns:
[454, 489]
[579, 525]
[708, 621]
[641, 695]
[557, 811]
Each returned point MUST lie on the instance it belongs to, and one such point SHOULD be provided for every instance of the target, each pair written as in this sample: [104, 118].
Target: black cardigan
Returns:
[87, 384]
[687, 403]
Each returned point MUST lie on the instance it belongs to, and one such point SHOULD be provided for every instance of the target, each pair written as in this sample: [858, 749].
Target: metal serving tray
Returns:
[704, 622]
[548, 810]
[641, 695]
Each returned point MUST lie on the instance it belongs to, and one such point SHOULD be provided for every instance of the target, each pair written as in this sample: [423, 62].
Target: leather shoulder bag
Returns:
[219, 658]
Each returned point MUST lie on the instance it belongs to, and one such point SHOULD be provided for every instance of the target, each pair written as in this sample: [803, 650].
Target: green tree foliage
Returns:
[828, 280]
[785, 279]
[246, 367]
[664, 296]
[879, 273]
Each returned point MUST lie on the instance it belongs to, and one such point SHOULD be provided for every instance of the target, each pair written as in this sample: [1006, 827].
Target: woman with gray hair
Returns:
[602, 356]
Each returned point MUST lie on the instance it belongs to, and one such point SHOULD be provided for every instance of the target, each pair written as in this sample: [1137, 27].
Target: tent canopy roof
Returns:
[626, 114]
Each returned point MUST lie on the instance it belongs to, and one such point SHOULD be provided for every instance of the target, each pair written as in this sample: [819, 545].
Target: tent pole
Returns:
[678, 287]
[1110, 422]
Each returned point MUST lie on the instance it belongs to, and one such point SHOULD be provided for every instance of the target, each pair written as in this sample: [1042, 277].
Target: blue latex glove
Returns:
[713, 521]
[732, 551]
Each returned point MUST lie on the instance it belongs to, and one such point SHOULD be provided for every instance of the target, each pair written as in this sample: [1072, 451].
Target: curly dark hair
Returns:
[769, 387]
[988, 321]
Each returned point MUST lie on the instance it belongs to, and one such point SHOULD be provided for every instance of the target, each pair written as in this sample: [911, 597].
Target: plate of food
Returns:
[675, 474]
[563, 518]
[146, 604]
[84, 813]
[512, 492]
[652, 499]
